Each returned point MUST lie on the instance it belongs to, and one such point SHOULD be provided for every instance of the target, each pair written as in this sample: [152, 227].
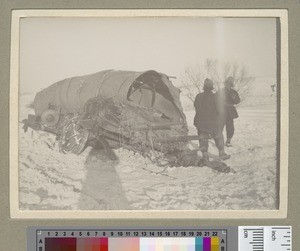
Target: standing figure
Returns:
[207, 121]
[227, 98]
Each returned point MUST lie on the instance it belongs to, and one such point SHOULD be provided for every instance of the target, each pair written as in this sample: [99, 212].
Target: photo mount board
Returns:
[15, 212]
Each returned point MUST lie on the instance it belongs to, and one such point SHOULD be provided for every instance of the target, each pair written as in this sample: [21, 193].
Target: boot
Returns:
[228, 143]
[204, 160]
[223, 155]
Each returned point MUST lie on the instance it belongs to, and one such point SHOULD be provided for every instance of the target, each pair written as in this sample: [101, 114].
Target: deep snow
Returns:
[52, 180]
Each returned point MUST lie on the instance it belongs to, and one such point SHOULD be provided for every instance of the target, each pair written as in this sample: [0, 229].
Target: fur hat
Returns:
[229, 82]
[208, 85]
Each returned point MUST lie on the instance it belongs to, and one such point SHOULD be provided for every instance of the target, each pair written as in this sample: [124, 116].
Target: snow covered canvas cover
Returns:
[187, 48]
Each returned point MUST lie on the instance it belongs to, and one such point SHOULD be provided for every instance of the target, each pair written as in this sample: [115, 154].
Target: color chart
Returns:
[132, 240]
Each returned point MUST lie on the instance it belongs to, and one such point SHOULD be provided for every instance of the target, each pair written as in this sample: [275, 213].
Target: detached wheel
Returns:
[73, 138]
[49, 117]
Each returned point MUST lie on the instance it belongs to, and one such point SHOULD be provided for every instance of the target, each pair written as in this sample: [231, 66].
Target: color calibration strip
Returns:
[132, 244]
[131, 240]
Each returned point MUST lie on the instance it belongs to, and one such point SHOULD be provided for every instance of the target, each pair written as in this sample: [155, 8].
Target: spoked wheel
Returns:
[73, 138]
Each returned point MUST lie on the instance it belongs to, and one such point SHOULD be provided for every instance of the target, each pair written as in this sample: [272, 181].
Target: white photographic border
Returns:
[15, 212]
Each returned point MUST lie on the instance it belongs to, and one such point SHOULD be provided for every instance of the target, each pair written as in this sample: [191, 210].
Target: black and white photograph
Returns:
[152, 112]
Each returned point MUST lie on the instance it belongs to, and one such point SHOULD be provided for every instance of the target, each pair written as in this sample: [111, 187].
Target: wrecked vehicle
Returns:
[140, 111]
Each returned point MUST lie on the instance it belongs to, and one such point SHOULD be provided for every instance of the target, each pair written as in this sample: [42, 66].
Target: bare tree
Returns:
[193, 78]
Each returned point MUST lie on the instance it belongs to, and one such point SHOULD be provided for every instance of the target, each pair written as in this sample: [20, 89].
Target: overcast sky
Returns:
[52, 49]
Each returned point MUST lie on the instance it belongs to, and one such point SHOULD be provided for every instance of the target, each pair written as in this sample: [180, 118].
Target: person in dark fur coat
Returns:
[207, 120]
[227, 99]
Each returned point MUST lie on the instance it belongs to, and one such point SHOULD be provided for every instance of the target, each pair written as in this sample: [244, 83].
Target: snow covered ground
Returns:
[51, 180]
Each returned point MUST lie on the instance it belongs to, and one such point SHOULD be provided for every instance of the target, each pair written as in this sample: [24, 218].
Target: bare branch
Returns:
[194, 77]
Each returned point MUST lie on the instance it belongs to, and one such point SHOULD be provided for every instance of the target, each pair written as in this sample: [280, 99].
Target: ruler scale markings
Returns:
[265, 238]
[251, 238]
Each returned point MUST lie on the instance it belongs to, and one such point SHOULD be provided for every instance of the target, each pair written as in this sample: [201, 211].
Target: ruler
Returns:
[229, 238]
[265, 238]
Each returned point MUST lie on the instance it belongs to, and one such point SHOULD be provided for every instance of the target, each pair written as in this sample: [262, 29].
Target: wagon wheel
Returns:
[73, 138]
[49, 117]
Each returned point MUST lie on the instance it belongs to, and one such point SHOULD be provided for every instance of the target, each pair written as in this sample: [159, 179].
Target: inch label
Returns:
[278, 238]
[265, 238]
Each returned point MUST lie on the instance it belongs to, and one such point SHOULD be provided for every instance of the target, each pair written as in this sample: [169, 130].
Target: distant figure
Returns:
[227, 98]
[207, 121]
[274, 88]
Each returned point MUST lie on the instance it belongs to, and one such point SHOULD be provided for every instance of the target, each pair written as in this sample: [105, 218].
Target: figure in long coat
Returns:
[207, 120]
[227, 99]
